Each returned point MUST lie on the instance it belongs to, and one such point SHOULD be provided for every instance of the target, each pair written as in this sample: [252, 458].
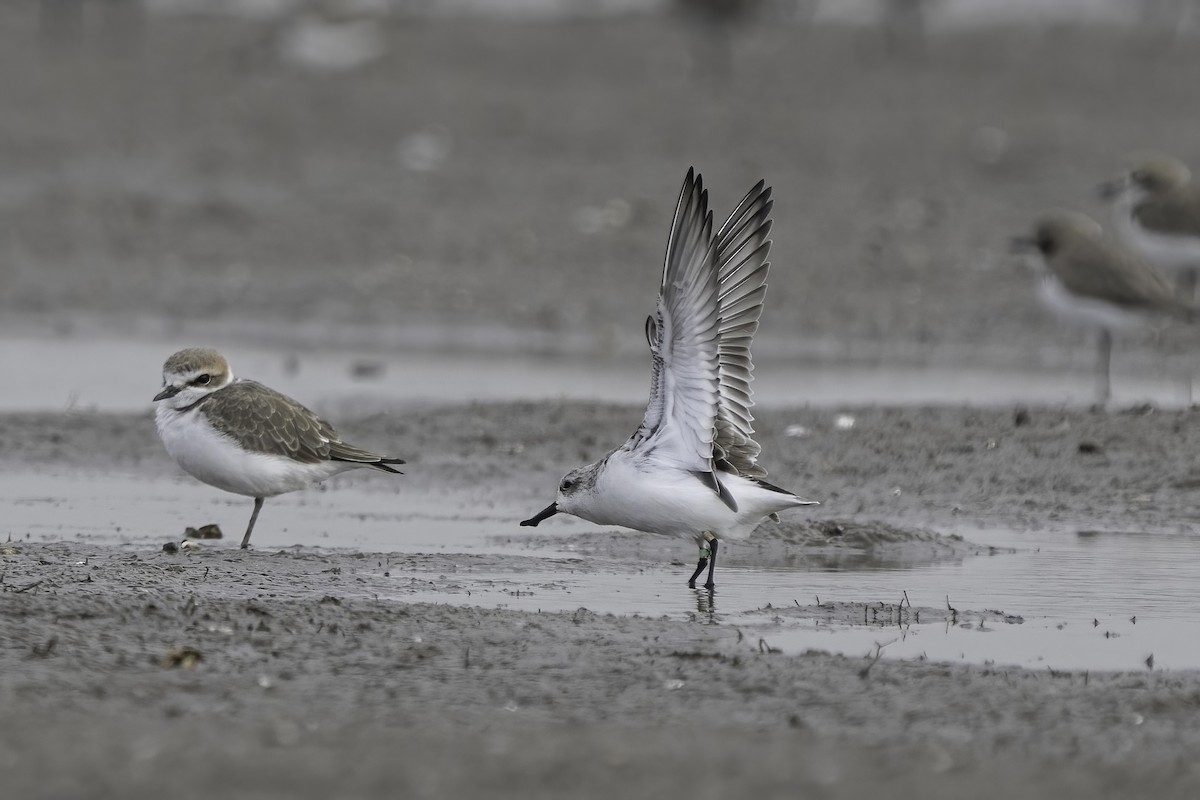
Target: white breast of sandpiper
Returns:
[674, 502]
[216, 459]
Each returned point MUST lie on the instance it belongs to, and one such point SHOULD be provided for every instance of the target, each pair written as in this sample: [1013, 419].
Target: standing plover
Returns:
[1090, 280]
[1156, 214]
[246, 438]
[691, 468]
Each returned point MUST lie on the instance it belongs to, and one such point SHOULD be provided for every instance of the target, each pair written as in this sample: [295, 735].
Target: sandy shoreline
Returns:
[309, 682]
[286, 673]
[202, 179]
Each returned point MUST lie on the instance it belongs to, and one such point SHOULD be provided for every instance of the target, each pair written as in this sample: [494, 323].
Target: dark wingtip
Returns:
[383, 464]
[710, 479]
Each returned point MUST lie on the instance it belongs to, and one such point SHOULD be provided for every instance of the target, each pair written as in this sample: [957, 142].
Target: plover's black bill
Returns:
[1020, 245]
[1111, 190]
[545, 513]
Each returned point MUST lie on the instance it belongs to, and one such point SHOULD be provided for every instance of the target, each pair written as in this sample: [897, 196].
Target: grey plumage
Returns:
[742, 248]
[263, 420]
[715, 286]
[1090, 267]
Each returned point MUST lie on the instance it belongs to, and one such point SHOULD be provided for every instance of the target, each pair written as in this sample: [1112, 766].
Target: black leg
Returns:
[1103, 366]
[699, 568]
[258, 503]
[708, 558]
[712, 563]
[1185, 284]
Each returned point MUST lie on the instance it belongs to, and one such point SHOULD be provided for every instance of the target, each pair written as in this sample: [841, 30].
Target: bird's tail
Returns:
[340, 451]
[382, 464]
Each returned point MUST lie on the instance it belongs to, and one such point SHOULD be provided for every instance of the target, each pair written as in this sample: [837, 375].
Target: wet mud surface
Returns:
[459, 184]
[301, 671]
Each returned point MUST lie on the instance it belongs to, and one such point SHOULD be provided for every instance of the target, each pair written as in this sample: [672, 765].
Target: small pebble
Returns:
[171, 548]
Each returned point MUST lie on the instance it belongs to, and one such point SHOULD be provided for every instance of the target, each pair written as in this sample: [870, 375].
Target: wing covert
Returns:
[265, 421]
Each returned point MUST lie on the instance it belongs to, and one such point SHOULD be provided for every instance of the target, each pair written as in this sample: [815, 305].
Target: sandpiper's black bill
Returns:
[545, 513]
[170, 391]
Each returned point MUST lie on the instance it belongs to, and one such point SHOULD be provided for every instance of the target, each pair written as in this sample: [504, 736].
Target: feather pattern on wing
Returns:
[1176, 213]
[262, 420]
[741, 248]
[1089, 269]
[679, 425]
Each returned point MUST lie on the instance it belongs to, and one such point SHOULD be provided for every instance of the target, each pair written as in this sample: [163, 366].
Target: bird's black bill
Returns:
[170, 391]
[545, 513]
[1022, 244]
[1110, 190]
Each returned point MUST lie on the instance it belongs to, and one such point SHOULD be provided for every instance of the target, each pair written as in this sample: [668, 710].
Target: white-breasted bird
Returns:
[1090, 280]
[1156, 214]
[691, 468]
[244, 437]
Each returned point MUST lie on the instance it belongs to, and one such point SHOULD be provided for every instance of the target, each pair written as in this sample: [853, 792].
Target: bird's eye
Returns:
[566, 484]
[204, 379]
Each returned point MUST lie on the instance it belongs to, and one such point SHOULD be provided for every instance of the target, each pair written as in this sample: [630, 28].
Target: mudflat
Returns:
[303, 672]
[517, 176]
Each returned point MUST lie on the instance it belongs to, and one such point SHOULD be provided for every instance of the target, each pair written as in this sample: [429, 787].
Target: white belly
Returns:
[1173, 253]
[675, 502]
[1084, 310]
[209, 456]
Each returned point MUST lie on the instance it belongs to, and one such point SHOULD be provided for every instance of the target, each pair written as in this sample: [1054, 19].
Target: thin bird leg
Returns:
[1103, 364]
[702, 563]
[712, 562]
[258, 503]
[1185, 284]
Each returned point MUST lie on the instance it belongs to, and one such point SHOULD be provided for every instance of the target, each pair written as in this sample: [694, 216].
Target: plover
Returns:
[1156, 214]
[691, 468]
[246, 438]
[1090, 280]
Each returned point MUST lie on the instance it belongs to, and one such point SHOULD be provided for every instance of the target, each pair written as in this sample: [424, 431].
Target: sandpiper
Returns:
[246, 438]
[691, 468]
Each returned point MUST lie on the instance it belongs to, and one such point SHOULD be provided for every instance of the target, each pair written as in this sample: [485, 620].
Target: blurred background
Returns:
[465, 181]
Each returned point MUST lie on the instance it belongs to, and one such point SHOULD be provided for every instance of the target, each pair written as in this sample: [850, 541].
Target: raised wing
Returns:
[679, 425]
[741, 247]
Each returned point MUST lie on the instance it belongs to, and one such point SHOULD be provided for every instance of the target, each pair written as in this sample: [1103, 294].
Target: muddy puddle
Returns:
[1058, 599]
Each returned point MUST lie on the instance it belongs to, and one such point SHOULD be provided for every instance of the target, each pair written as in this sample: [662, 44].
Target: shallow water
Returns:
[71, 372]
[1098, 600]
